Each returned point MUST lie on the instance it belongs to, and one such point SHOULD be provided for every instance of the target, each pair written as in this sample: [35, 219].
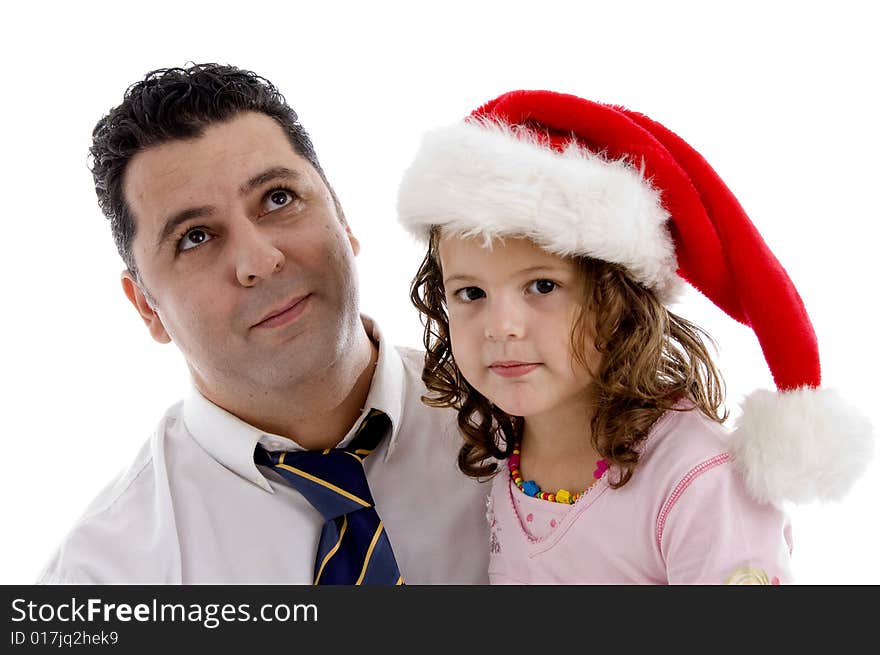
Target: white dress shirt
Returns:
[193, 508]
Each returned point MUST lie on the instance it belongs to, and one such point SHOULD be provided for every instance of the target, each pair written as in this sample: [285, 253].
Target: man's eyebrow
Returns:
[268, 175]
[181, 217]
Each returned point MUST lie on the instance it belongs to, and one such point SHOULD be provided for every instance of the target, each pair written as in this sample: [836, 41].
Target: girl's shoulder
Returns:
[683, 442]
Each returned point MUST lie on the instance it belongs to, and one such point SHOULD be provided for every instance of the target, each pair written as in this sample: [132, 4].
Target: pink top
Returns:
[683, 518]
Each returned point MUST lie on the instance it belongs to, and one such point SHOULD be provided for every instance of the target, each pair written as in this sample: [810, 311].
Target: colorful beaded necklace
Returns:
[531, 488]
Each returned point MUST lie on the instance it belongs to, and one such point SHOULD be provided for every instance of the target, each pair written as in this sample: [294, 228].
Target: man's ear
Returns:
[352, 239]
[138, 299]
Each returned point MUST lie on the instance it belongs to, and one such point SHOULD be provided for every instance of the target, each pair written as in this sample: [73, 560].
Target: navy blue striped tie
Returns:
[354, 547]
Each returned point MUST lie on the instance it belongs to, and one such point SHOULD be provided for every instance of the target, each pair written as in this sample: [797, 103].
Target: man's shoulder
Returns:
[417, 417]
[413, 360]
[414, 388]
[107, 542]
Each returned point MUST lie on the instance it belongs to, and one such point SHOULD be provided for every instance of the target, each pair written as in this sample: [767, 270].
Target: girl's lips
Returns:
[512, 369]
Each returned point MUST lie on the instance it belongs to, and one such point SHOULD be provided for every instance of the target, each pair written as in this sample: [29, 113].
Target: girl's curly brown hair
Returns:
[651, 360]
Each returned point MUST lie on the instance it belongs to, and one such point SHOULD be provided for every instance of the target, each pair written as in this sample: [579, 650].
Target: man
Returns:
[237, 251]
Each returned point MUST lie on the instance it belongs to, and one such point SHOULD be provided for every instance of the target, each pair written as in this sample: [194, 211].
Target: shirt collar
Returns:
[231, 441]
[387, 388]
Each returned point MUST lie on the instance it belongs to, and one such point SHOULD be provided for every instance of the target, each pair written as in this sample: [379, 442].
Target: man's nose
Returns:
[257, 257]
[504, 320]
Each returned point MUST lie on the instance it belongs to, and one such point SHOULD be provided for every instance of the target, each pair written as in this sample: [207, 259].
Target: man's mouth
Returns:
[283, 314]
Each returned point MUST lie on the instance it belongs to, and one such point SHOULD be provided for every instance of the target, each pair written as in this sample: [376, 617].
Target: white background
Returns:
[779, 97]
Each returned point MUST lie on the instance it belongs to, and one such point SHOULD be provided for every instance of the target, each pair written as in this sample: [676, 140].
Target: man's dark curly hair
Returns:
[178, 103]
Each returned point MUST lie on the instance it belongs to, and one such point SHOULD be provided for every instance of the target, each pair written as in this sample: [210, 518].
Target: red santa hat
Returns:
[581, 178]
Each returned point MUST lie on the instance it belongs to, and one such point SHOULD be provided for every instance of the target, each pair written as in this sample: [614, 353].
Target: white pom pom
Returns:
[800, 445]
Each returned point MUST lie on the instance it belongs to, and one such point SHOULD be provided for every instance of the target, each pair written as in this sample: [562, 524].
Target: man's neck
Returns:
[316, 414]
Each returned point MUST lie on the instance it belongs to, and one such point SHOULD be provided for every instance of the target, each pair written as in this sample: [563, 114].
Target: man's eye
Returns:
[194, 237]
[469, 294]
[542, 287]
[276, 199]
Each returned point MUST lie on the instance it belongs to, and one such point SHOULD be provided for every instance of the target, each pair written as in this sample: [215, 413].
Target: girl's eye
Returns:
[193, 237]
[542, 287]
[469, 294]
[276, 199]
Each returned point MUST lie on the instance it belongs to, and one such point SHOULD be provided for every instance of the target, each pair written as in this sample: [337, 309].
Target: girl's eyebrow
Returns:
[530, 270]
[539, 269]
[459, 278]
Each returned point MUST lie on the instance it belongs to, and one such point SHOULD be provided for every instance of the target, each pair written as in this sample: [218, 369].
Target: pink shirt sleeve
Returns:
[710, 531]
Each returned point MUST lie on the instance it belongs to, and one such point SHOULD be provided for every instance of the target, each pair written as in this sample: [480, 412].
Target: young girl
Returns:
[558, 230]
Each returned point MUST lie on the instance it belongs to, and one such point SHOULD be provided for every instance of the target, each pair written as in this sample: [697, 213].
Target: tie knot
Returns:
[353, 548]
[332, 480]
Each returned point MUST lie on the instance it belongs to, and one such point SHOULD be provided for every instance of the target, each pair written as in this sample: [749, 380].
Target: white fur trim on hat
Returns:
[800, 445]
[484, 179]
